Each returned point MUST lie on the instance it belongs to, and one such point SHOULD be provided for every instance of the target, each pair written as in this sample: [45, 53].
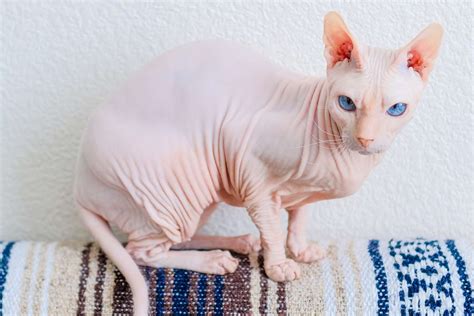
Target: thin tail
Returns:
[102, 233]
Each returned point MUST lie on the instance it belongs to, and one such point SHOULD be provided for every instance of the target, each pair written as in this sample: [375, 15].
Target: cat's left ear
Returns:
[420, 54]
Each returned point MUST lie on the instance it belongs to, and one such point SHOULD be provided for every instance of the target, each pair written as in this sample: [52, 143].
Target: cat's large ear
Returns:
[420, 54]
[339, 42]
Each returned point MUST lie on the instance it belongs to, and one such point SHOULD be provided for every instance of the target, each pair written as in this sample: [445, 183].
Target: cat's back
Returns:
[200, 78]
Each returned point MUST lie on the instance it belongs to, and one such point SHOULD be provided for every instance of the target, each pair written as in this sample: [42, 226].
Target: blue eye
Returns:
[346, 103]
[397, 109]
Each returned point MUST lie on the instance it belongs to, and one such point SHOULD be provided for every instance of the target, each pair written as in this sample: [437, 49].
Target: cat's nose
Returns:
[364, 142]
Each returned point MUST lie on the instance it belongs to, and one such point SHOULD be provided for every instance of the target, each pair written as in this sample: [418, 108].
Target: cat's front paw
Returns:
[288, 270]
[305, 252]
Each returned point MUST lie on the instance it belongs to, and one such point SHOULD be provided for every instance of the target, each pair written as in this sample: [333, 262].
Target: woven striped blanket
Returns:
[360, 277]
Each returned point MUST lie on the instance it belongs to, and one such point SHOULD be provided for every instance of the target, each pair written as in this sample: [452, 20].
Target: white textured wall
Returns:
[59, 61]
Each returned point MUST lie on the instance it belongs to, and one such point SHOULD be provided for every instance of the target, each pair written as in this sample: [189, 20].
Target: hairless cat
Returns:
[213, 121]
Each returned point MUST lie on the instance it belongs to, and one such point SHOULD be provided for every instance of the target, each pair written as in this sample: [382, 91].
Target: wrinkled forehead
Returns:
[383, 81]
[388, 80]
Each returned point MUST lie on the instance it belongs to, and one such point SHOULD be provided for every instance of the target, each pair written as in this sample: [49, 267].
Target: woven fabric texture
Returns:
[358, 277]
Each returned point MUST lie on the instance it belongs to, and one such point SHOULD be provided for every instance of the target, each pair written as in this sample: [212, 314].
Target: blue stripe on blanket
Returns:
[380, 277]
[218, 293]
[180, 292]
[463, 277]
[160, 291]
[4, 270]
[424, 277]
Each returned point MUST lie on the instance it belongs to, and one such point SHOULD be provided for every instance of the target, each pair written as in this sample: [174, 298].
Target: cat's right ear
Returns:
[339, 42]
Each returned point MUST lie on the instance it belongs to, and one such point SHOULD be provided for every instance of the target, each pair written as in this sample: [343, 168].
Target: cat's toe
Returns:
[288, 270]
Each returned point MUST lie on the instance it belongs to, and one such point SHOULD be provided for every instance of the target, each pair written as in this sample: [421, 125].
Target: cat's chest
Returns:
[329, 183]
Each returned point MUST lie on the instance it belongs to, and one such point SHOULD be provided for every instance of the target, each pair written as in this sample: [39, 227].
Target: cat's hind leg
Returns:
[153, 250]
[213, 262]
[243, 244]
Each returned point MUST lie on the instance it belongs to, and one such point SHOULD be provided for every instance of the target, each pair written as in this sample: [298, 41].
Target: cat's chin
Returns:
[365, 152]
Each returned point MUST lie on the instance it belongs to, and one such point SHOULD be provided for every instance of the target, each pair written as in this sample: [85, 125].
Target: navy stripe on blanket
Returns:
[380, 277]
[180, 291]
[218, 293]
[463, 277]
[4, 270]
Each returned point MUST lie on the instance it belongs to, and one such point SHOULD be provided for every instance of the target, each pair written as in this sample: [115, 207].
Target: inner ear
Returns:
[415, 61]
[338, 41]
[421, 52]
[344, 51]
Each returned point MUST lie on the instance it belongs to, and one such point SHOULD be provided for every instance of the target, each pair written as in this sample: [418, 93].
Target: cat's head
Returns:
[373, 92]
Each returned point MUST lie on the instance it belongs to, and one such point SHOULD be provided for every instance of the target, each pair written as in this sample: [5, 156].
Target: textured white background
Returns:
[59, 61]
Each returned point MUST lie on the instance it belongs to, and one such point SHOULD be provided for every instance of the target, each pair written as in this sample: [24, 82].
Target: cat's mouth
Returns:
[365, 152]
[353, 146]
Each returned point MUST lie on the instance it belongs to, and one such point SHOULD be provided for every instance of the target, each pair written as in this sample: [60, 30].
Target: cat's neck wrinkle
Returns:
[306, 117]
[323, 140]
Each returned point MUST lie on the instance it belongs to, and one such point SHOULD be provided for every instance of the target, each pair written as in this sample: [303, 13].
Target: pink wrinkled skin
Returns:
[213, 122]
